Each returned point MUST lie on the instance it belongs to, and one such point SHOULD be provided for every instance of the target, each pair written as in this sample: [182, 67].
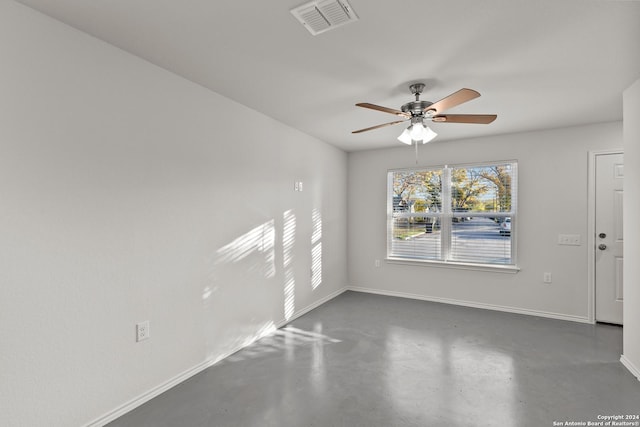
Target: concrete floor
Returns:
[368, 360]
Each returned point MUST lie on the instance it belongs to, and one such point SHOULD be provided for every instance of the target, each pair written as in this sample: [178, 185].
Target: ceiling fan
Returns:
[418, 111]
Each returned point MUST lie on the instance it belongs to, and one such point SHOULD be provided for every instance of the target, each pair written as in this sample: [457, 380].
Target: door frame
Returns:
[591, 227]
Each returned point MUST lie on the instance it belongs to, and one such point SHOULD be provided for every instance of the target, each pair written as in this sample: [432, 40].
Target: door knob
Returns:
[602, 246]
[602, 235]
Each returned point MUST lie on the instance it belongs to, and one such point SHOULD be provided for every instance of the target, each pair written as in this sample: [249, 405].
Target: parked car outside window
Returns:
[505, 227]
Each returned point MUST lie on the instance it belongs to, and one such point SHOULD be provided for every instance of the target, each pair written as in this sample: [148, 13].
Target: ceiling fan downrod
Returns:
[416, 108]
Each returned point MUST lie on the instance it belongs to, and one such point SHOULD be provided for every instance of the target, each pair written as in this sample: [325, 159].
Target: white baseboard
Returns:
[630, 366]
[463, 303]
[150, 394]
[156, 391]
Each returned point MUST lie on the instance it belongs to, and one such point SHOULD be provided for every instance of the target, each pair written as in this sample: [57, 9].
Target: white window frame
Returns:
[446, 216]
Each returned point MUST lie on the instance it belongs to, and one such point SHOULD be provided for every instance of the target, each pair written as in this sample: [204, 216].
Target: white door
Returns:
[608, 240]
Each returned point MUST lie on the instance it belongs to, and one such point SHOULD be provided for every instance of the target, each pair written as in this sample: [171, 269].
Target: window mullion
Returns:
[445, 239]
[389, 212]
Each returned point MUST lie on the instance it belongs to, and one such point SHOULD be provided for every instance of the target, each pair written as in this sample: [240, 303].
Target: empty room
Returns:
[331, 213]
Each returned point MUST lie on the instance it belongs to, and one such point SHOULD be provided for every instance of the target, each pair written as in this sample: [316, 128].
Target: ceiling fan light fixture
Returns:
[417, 132]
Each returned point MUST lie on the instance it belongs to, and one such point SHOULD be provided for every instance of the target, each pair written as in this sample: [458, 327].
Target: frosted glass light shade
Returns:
[416, 131]
[405, 137]
[428, 135]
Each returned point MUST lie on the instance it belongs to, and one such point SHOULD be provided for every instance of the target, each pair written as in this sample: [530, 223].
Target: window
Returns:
[461, 214]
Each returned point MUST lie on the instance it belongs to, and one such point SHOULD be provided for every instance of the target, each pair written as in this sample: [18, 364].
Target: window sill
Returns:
[511, 269]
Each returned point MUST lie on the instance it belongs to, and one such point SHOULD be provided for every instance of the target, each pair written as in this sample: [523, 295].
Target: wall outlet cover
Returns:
[142, 331]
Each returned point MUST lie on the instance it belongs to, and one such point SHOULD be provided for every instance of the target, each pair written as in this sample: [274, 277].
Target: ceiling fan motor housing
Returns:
[416, 108]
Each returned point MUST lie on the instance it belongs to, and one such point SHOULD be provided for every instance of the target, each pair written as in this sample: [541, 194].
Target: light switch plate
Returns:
[569, 239]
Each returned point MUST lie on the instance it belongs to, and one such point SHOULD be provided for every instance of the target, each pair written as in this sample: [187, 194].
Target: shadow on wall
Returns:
[288, 244]
[316, 249]
[244, 277]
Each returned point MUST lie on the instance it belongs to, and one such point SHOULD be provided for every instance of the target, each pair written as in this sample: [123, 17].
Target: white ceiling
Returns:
[538, 64]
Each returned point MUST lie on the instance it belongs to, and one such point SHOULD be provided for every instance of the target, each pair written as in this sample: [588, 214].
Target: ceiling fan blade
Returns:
[378, 126]
[481, 119]
[456, 98]
[383, 109]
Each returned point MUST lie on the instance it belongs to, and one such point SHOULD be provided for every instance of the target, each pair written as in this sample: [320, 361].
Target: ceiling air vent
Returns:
[321, 16]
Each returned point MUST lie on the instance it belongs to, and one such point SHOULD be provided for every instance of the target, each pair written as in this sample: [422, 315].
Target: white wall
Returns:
[631, 351]
[552, 168]
[125, 195]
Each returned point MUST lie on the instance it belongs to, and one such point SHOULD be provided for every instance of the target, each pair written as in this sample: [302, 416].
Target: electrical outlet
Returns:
[546, 277]
[377, 263]
[142, 331]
